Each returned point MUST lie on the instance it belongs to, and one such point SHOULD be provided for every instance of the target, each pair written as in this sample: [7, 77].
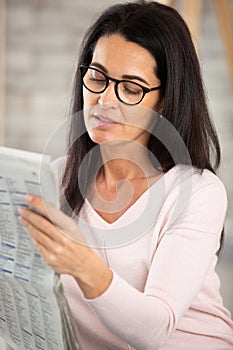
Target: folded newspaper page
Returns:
[34, 313]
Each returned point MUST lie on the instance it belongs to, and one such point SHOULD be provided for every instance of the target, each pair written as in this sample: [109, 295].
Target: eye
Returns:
[96, 76]
[131, 88]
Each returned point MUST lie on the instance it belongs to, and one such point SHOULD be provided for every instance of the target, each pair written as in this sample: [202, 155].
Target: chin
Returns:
[99, 136]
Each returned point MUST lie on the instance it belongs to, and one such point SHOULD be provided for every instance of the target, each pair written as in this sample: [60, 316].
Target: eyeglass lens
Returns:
[128, 92]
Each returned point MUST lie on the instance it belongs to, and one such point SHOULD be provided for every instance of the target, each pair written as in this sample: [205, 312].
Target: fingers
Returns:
[56, 217]
[51, 251]
[51, 212]
[37, 236]
[35, 221]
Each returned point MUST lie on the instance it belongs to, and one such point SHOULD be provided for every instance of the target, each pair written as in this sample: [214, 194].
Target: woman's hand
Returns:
[61, 244]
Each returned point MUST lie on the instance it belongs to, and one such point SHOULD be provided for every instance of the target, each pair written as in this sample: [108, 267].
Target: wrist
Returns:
[95, 277]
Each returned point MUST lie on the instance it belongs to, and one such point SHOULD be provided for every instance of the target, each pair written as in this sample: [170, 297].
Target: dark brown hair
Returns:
[162, 31]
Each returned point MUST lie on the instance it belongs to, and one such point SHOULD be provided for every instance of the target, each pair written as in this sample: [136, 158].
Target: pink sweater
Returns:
[162, 251]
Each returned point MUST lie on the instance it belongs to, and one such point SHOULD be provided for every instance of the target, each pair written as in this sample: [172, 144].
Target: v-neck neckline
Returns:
[132, 207]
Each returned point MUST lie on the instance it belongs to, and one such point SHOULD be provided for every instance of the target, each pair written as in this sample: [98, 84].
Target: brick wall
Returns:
[42, 40]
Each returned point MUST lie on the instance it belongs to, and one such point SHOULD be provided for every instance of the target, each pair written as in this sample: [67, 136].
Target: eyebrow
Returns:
[125, 76]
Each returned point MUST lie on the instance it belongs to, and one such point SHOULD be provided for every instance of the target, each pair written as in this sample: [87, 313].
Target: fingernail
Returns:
[29, 198]
[20, 210]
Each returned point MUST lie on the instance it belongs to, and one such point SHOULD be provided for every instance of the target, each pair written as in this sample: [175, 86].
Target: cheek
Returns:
[152, 101]
[89, 99]
[140, 117]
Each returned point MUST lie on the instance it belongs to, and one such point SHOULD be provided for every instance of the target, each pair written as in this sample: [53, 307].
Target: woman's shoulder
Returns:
[58, 166]
[198, 177]
[197, 196]
[202, 183]
[206, 178]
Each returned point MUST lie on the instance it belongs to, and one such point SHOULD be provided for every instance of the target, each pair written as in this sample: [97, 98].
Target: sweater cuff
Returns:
[107, 293]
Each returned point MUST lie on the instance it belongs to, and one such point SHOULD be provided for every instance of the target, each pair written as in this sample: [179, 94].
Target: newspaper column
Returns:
[2, 80]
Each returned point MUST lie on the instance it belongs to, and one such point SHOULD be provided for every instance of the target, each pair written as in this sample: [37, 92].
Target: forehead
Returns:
[119, 56]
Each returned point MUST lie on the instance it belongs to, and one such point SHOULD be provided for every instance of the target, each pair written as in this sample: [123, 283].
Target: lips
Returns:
[104, 121]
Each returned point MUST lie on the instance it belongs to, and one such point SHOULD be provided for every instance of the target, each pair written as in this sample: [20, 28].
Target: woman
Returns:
[138, 257]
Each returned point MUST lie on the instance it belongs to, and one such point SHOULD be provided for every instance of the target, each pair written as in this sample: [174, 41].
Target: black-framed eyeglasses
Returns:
[128, 92]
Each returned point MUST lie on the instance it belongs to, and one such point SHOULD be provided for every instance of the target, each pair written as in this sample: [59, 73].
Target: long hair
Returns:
[162, 31]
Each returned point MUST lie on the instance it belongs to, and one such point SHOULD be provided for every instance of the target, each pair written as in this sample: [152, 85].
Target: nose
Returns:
[109, 95]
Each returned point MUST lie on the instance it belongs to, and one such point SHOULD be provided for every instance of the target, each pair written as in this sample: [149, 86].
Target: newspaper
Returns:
[34, 313]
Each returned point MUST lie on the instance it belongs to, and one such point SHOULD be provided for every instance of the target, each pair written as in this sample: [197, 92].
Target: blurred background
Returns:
[39, 44]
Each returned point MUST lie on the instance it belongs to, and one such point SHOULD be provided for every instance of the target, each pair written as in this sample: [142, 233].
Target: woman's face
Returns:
[106, 118]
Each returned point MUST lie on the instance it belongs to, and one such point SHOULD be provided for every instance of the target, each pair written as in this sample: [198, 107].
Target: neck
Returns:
[125, 160]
